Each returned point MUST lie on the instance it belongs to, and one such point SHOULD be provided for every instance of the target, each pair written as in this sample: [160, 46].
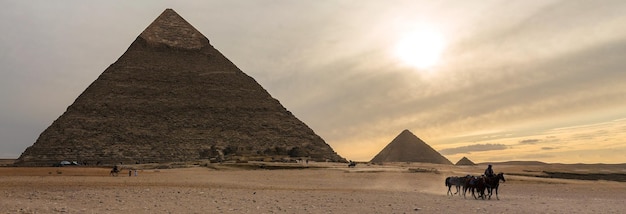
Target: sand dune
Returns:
[322, 188]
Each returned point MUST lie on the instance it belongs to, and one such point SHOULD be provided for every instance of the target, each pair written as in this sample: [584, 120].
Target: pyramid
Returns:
[407, 147]
[465, 161]
[173, 97]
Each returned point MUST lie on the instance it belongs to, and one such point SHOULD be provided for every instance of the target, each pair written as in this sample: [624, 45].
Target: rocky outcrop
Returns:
[173, 97]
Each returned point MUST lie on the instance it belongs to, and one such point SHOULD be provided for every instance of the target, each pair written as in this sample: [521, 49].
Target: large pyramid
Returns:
[407, 147]
[173, 97]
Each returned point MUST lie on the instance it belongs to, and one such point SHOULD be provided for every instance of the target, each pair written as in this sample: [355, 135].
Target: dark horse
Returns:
[458, 182]
[492, 183]
[351, 164]
[114, 171]
[475, 184]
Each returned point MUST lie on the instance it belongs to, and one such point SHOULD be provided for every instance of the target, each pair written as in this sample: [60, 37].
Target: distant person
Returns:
[351, 164]
[489, 172]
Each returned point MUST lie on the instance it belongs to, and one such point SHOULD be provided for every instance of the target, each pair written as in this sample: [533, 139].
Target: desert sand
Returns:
[320, 188]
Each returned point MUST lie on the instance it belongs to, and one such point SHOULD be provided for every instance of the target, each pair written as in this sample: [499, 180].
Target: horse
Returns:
[475, 184]
[114, 171]
[492, 183]
[456, 181]
[351, 164]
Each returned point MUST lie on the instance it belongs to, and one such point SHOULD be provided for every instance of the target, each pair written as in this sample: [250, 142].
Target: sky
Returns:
[489, 80]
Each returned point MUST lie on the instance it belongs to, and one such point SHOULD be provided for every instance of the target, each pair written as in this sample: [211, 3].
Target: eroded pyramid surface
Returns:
[173, 97]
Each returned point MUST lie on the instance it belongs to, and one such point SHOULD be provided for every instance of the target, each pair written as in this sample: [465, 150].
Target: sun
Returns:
[421, 48]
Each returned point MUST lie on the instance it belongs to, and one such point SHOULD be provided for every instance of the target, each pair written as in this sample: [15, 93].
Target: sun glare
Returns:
[421, 49]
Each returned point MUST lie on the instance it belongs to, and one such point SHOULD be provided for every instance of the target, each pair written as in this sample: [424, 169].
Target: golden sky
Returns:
[489, 80]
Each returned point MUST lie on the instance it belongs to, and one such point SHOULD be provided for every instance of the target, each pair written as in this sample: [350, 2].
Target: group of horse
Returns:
[476, 185]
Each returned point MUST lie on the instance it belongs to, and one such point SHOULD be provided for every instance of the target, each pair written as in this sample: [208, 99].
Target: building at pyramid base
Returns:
[172, 97]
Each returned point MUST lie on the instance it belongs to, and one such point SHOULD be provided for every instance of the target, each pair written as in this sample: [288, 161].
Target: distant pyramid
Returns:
[173, 97]
[407, 147]
[465, 161]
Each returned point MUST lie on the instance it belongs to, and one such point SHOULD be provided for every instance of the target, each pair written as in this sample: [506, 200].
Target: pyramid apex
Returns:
[172, 30]
[406, 131]
[408, 134]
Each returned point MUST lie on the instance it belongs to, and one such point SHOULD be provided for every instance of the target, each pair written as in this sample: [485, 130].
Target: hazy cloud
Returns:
[473, 148]
[529, 141]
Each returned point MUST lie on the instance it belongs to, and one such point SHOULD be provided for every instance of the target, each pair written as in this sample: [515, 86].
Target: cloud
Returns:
[529, 141]
[473, 148]
[547, 148]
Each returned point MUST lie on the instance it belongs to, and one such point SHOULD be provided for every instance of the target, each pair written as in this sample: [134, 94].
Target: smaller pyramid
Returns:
[407, 147]
[465, 162]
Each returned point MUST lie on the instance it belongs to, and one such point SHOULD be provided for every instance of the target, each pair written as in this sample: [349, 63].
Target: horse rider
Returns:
[489, 172]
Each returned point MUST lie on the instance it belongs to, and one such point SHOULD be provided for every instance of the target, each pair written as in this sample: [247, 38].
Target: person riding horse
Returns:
[351, 164]
[489, 172]
[114, 171]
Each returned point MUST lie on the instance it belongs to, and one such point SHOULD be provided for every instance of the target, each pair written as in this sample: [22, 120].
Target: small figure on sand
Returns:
[114, 171]
[351, 164]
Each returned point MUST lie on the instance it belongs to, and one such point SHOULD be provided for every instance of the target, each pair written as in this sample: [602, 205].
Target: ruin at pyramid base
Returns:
[173, 97]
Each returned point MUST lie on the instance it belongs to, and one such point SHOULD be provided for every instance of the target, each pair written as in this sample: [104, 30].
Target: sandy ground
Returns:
[332, 189]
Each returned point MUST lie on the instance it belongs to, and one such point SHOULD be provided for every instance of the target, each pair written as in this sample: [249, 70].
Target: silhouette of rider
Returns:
[489, 171]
